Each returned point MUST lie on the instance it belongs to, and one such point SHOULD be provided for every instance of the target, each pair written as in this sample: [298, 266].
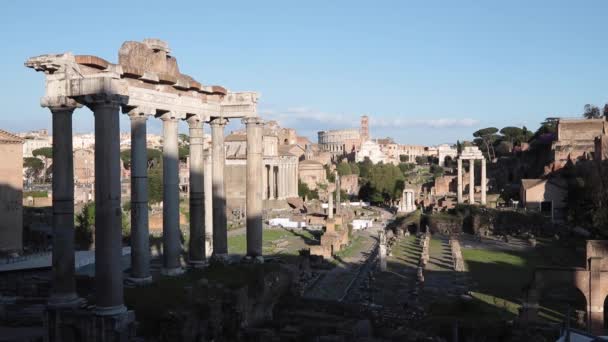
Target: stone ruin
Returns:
[458, 261]
[336, 235]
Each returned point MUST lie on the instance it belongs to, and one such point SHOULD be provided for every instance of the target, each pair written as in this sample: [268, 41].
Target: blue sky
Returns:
[426, 72]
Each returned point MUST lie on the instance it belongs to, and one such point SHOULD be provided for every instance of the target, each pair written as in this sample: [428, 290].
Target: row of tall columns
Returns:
[280, 182]
[207, 199]
[471, 181]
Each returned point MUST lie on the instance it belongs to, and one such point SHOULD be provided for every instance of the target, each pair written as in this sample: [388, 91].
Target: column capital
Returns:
[254, 120]
[194, 121]
[140, 112]
[105, 100]
[169, 116]
[218, 121]
[59, 103]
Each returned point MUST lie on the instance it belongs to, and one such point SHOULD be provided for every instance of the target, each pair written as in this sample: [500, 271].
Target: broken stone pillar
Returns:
[171, 230]
[140, 237]
[63, 292]
[196, 245]
[208, 195]
[255, 166]
[483, 181]
[471, 181]
[220, 233]
[382, 250]
[459, 182]
[108, 213]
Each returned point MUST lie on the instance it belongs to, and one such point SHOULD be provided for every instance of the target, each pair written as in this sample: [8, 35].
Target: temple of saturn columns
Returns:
[145, 83]
[472, 153]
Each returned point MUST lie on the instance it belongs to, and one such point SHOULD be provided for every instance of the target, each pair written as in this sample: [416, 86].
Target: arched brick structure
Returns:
[591, 281]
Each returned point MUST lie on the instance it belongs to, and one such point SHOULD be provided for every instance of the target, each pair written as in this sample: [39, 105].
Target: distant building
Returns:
[34, 143]
[546, 195]
[11, 192]
[576, 139]
[84, 166]
[340, 142]
[371, 150]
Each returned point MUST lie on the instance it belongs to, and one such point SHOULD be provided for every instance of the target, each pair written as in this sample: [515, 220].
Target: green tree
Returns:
[404, 158]
[354, 169]
[85, 226]
[343, 169]
[33, 168]
[45, 152]
[365, 167]
[485, 139]
[513, 134]
[591, 112]
[155, 183]
[184, 152]
[329, 174]
[184, 139]
[125, 156]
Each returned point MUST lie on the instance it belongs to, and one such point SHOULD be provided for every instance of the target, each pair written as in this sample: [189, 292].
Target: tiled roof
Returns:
[9, 138]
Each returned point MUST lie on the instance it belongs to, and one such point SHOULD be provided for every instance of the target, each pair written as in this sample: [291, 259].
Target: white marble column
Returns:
[255, 128]
[338, 199]
[483, 181]
[472, 181]
[459, 182]
[330, 205]
[265, 182]
[220, 233]
[63, 293]
[208, 195]
[108, 213]
[196, 245]
[140, 237]
[171, 230]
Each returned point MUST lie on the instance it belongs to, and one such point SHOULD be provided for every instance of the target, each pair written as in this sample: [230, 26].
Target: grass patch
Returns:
[352, 249]
[237, 244]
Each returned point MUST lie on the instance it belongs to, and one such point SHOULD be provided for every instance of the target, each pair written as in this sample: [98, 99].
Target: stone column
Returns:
[254, 186]
[265, 182]
[330, 205]
[483, 181]
[63, 292]
[338, 205]
[472, 181]
[208, 204]
[140, 237]
[171, 231]
[271, 182]
[108, 214]
[196, 246]
[220, 234]
[459, 181]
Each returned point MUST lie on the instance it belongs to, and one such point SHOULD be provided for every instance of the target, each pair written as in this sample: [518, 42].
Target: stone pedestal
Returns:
[64, 287]
[140, 237]
[85, 326]
[255, 128]
[220, 233]
[108, 213]
[171, 230]
[196, 248]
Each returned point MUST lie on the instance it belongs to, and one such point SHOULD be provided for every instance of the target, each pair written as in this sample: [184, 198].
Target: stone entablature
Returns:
[146, 77]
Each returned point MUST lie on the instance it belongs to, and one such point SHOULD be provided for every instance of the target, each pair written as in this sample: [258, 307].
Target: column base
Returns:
[221, 259]
[7, 299]
[139, 281]
[197, 264]
[110, 310]
[59, 301]
[172, 272]
[253, 259]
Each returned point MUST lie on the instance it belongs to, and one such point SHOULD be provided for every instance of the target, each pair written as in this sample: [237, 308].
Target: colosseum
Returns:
[343, 141]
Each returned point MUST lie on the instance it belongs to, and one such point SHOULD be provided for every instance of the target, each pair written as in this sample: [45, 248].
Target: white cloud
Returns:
[303, 117]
